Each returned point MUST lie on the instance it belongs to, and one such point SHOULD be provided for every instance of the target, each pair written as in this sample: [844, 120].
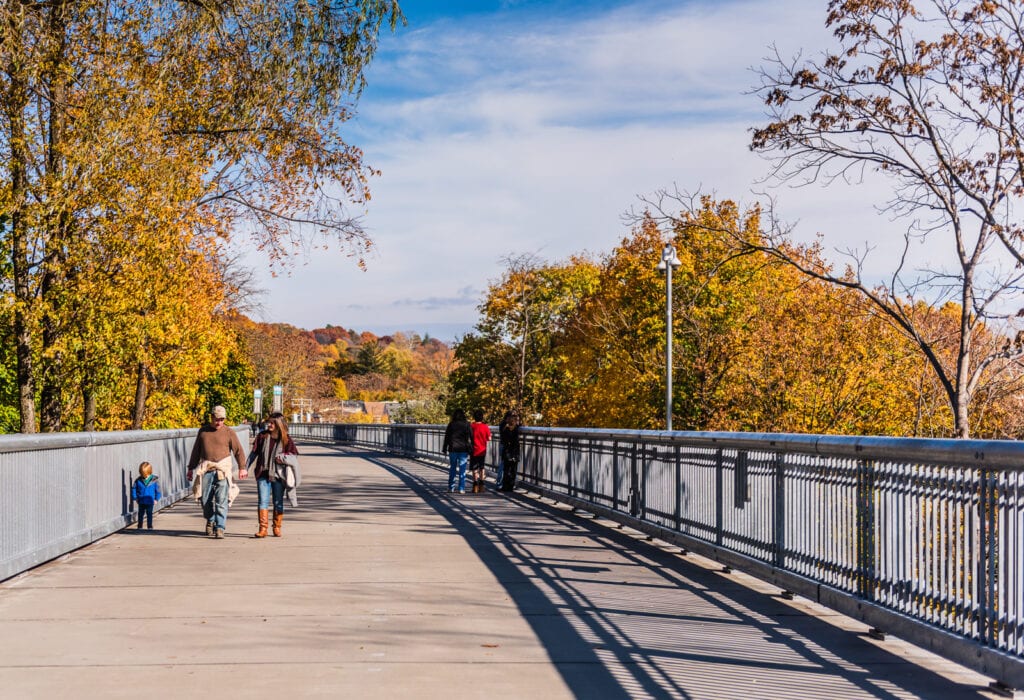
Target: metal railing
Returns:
[61, 491]
[920, 538]
[420, 441]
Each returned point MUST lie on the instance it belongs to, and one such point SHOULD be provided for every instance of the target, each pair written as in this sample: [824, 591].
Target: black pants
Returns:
[508, 477]
[146, 509]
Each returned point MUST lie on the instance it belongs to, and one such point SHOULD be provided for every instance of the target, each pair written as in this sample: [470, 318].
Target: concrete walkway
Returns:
[384, 586]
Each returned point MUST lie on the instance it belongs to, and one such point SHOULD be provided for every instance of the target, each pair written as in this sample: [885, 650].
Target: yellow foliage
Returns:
[340, 389]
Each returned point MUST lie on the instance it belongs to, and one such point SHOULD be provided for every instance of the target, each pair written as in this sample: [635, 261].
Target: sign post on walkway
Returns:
[257, 403]
[278, 402]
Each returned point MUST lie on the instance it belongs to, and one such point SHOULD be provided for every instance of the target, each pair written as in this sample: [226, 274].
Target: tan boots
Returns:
[264, 517]
[262, 532]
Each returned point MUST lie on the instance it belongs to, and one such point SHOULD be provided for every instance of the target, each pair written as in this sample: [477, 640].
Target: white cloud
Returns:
[503, 138]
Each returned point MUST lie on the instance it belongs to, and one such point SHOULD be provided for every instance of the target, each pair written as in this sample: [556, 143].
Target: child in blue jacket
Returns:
[146, 492]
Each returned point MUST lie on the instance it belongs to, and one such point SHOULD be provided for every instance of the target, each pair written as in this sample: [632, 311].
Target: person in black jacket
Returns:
[458, 440]
[509, 443]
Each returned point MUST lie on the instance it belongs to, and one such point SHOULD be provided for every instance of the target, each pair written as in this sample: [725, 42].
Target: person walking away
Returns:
[458, 440]
[478, 457]
[508, 438]
[276, 472]
[146, 492]
[501, 451]
[210, 462]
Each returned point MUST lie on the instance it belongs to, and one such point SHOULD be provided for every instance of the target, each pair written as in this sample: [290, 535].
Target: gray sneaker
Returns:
[218, 534]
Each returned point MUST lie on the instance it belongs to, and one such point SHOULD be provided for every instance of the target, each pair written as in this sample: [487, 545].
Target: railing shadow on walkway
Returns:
[629, 646]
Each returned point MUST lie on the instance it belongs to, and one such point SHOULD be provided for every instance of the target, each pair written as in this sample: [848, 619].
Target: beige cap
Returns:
[219, 412]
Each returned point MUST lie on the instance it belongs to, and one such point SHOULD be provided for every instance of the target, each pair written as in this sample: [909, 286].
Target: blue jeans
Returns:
[457, 465]
[215, 500]
[266, 488]
[501, 466]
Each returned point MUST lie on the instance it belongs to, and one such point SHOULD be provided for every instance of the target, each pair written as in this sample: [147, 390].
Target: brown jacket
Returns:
[213, 444]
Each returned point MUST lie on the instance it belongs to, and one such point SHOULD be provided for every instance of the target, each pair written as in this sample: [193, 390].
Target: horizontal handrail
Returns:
[989, 454]
[54, 441]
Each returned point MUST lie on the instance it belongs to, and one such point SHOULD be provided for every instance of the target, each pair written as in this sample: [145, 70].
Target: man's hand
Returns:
[242, 473]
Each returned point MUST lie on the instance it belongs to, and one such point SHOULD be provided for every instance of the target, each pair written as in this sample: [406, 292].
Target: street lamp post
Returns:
[668, 262]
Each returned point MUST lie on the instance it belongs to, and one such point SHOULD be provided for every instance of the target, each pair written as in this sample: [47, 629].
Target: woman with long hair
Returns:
[276, 472]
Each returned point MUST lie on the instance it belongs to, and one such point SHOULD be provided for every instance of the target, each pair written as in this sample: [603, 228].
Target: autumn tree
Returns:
[226, 113]
[929, 95]
[286, 356]
[511, 358]
[144, 335]
[752, 339]
[759, 346]
[230, 388]
[398, 367]
[818, 358]
[613, 349]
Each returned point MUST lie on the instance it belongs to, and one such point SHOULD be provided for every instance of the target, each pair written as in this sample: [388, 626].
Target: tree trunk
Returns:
[139, 411]
[51, 393]
[58, 227]
[16, 101]
[89, 409]
[962, 399]
[88, 389]
[22, 328]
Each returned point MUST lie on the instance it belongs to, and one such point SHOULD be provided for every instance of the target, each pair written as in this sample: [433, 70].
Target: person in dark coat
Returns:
[458, 441]
[508, 436]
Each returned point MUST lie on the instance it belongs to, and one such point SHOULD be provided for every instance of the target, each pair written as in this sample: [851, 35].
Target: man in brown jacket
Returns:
[212, 453]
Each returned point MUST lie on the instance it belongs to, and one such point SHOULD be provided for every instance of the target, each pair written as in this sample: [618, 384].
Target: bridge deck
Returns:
[385, 586]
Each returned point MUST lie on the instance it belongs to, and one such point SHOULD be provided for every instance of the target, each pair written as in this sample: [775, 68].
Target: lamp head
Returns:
[668, 257]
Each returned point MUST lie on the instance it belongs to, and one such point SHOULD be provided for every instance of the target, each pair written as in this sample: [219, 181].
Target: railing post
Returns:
[679, 495]
[615, 474]
[634, 484]
[987, 556]
[741, 479]
[867, 574]
[568, 467]
[780, 510]
[719, 495]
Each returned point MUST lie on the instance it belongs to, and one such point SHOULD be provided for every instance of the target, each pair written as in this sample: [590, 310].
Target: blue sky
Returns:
[532, 126]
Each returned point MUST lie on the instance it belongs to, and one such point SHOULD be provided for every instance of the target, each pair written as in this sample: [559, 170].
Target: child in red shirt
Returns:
[481, 434]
